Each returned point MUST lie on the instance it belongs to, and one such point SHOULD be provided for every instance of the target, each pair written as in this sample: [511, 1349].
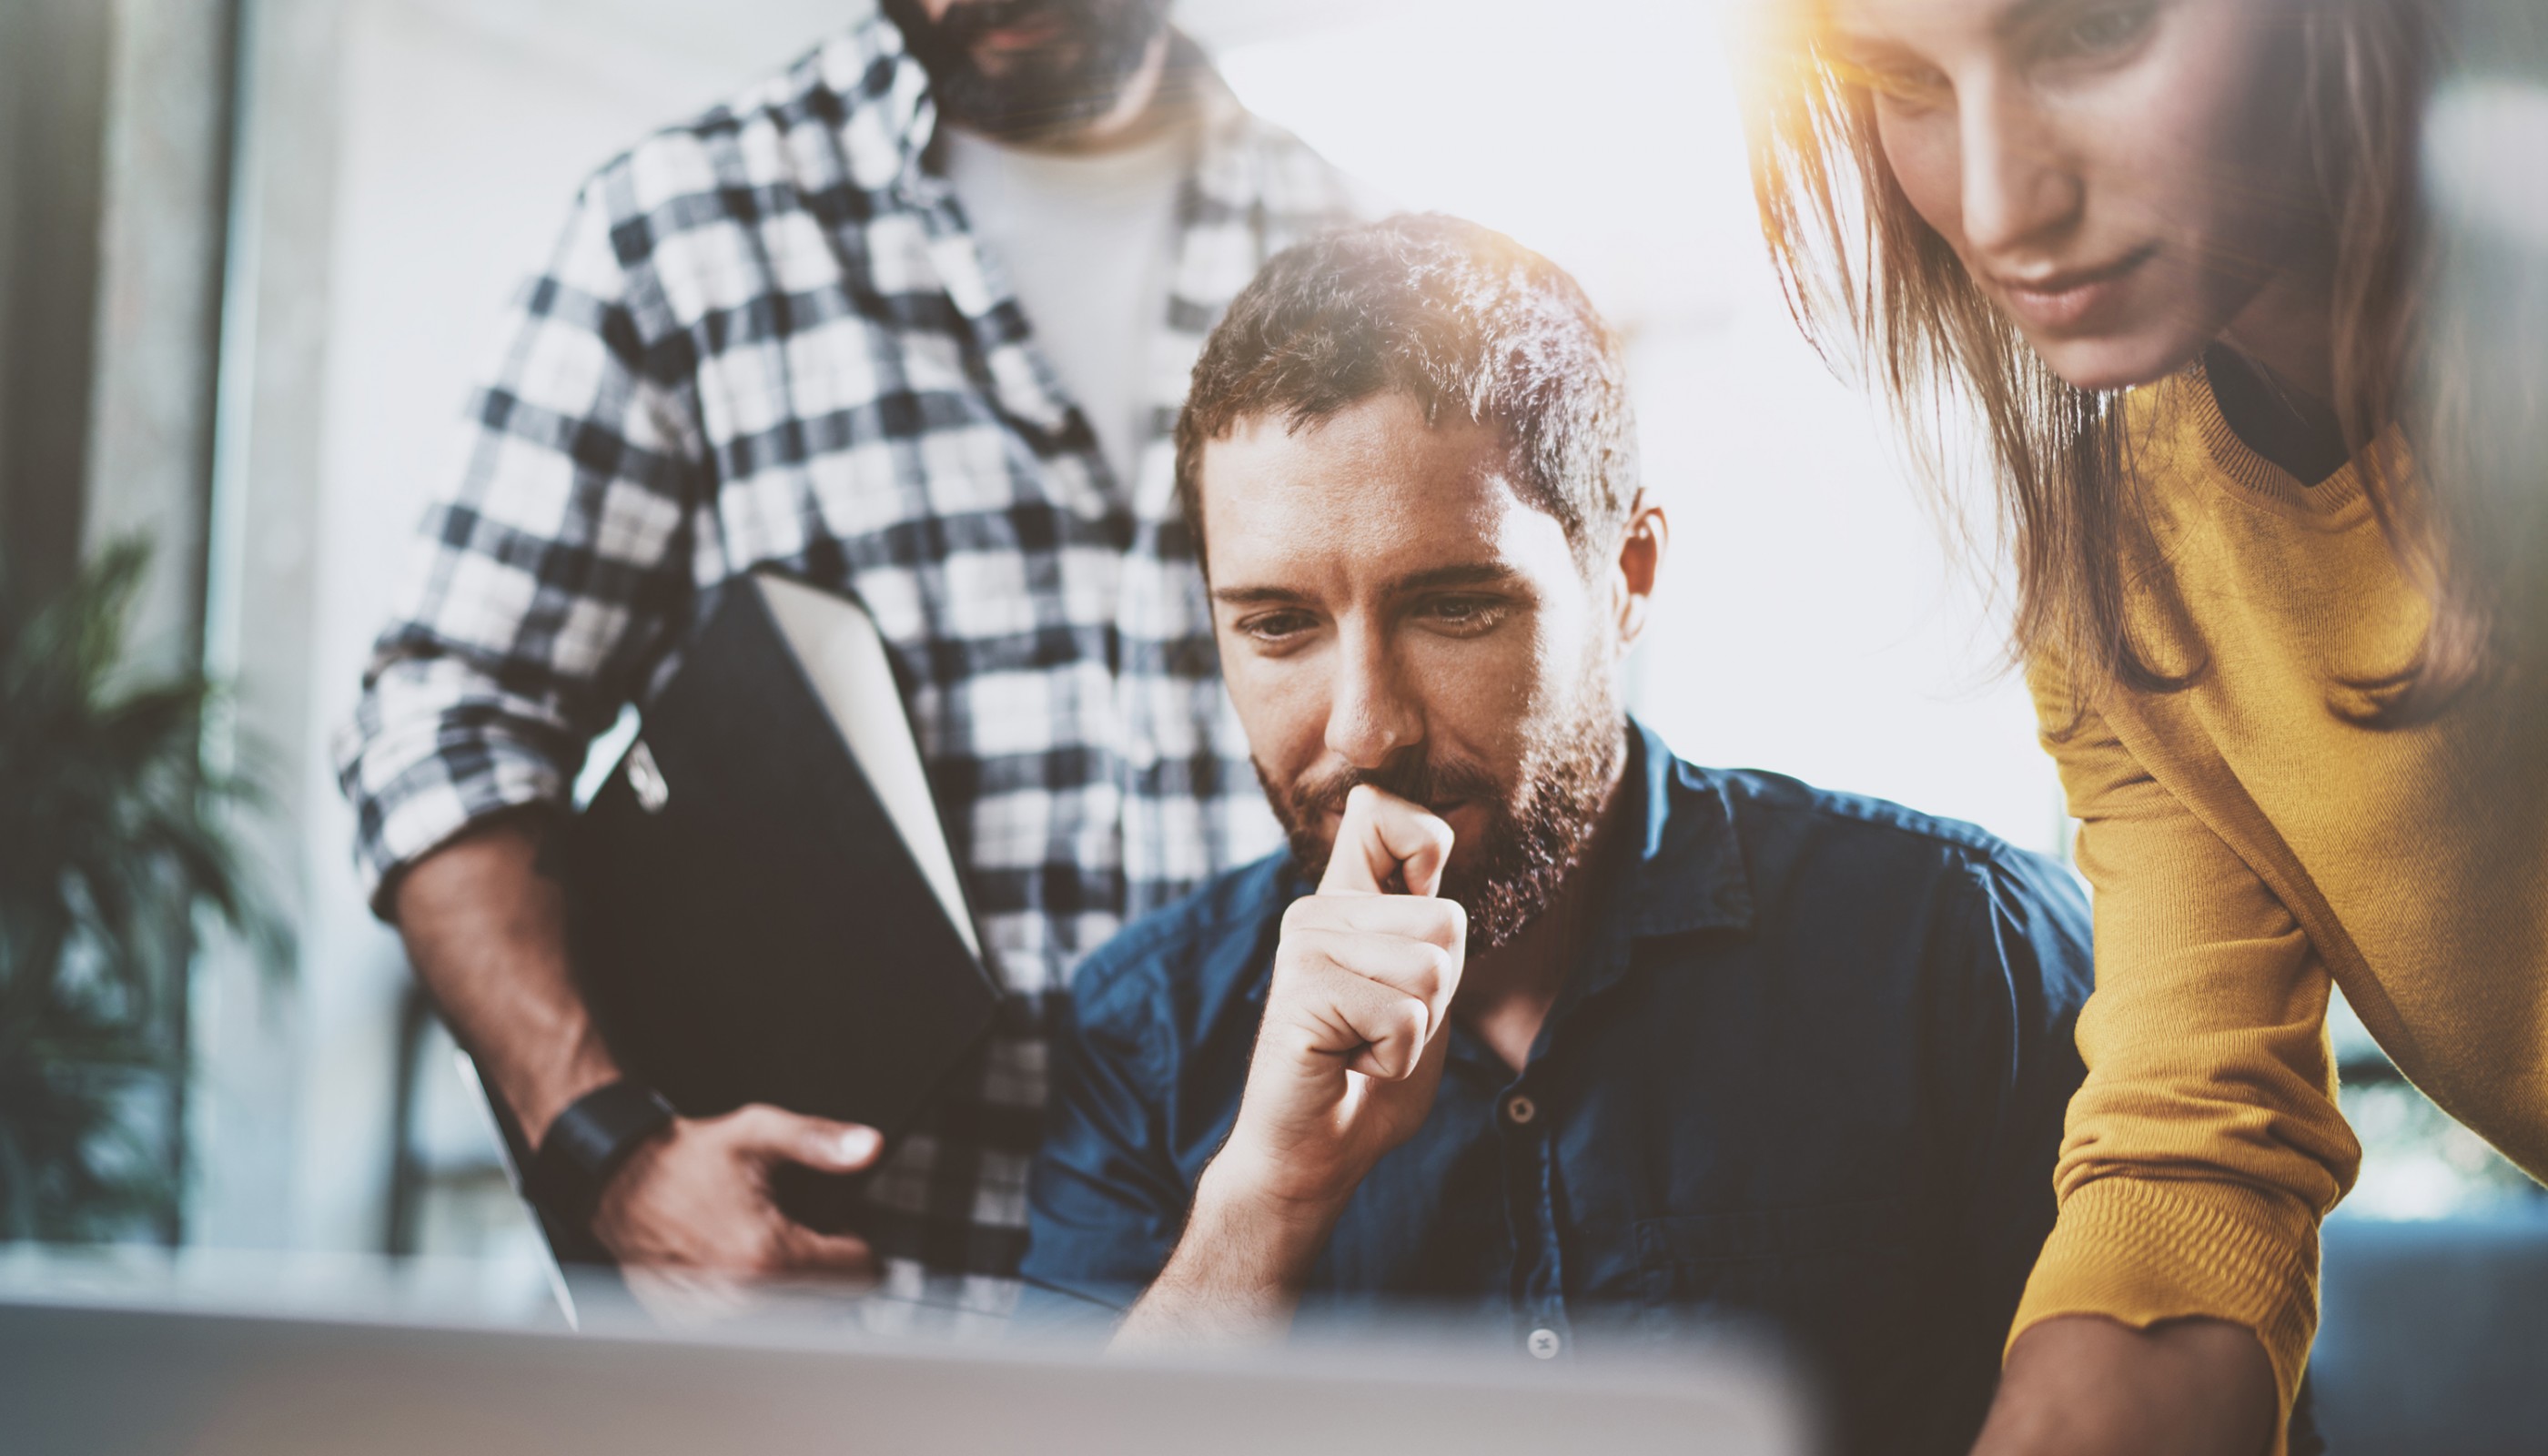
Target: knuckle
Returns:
[1294, 965]
[1439, 924]
[1316, 917]
[1313, 943]
[1438, 966]
[1294, 1039]
[766, 1253]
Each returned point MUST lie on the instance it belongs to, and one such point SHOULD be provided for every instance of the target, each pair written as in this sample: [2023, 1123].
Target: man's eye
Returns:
[2106, 31]
[1276, 626]
[1465, 613]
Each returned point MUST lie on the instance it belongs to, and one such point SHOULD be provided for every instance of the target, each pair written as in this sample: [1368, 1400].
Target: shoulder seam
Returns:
[1879, 813]
[1129, 951]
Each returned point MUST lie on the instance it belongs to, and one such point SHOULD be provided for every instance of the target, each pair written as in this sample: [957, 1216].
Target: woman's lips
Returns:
[2068, 299]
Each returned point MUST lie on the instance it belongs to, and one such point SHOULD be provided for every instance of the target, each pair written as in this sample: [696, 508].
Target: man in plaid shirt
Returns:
[776, 334]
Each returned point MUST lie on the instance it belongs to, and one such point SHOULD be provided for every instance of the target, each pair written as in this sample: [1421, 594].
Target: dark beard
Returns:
[1050, 92]
[1536, 831]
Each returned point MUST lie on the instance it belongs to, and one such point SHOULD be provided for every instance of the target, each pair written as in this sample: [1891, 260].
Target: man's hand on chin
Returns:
[1345, 1068]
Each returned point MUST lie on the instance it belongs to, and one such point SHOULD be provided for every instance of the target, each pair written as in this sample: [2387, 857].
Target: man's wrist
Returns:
[1258, 1232]
[589, 1143]
[540, 1103]
[1238, 1269]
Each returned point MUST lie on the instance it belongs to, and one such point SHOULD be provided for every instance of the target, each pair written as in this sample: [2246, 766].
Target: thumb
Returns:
[817, 1142]
[1386, 845]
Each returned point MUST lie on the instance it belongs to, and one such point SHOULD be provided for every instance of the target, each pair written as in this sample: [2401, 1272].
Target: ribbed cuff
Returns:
[2141, 1251]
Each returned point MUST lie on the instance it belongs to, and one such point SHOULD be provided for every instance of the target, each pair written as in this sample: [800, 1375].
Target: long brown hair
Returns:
[1875, 287]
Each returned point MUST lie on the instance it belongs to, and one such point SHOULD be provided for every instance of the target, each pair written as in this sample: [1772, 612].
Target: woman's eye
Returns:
[1900, 78]
[1916, 85]
[2103, 31]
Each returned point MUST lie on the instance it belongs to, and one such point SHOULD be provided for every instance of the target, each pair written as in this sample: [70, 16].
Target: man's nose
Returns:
[1371, 716]
[2020, 190]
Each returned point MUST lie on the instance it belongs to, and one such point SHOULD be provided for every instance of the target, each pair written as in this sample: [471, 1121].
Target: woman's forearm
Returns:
[2086, 1386]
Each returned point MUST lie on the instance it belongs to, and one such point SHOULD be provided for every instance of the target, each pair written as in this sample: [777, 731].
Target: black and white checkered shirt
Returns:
[768, 336]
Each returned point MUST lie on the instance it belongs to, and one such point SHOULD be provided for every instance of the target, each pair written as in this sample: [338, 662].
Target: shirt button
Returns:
[1544, 1345]
[1521, 1110]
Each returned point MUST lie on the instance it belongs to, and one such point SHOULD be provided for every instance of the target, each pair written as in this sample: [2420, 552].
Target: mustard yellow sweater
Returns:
[2247, 845]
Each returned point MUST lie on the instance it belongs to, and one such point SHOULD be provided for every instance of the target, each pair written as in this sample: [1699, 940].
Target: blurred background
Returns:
[252, 257]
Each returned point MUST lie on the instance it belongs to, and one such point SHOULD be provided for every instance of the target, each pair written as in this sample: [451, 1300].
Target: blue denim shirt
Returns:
[1810, 1068]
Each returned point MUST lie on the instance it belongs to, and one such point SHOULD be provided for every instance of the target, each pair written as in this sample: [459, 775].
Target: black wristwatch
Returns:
[587, 1145]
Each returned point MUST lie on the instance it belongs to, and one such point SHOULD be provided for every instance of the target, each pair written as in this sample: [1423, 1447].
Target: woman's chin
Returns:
[2102, 363]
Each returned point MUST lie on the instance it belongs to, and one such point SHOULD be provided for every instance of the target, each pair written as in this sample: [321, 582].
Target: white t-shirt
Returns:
[1084, 241]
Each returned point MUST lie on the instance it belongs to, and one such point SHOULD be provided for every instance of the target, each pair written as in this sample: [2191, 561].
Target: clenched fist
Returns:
[1354, 1034]
[1346, 1062]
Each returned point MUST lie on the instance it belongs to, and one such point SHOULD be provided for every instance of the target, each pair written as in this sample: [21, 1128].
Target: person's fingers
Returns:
[832, 1255]
[1421, 951]
[773, 1133]
[1422, 970]
[1385, 844]
[1367, 1026]
[1413, 917]
[838, 1148]
[682, 1298]
[1437, 1048]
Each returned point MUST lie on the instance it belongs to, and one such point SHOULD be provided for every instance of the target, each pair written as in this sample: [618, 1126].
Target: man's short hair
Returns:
[1468, 324]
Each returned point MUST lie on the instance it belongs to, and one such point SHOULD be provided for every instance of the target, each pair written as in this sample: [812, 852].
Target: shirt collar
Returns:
[1683, 871]
[1686, 867]
[887, 116]
[1687, 872]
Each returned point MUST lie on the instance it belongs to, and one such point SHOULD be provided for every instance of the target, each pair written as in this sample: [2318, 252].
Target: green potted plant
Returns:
[114, 846]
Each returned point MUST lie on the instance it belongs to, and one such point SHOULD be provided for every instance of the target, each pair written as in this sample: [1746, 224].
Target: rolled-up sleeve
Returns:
[1106, 1203]
[2205, 1145]
[546, 579]
[2024, 953]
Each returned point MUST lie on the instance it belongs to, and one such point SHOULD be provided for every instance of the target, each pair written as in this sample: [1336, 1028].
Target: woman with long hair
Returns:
[2167, 263]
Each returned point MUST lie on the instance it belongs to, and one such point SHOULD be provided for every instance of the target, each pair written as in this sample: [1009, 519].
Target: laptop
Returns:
[85, 1375]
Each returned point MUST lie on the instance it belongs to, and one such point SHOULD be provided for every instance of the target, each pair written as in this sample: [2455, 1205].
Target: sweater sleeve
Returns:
[2205, 1145]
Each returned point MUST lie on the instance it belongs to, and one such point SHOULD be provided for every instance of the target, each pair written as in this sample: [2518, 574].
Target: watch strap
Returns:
[588, 1142]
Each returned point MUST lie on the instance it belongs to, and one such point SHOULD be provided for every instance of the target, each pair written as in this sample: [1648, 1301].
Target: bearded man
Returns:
[911, 320]
[1532, 1017]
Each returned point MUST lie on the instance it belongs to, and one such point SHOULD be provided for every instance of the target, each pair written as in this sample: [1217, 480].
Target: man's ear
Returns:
[1642, 542]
